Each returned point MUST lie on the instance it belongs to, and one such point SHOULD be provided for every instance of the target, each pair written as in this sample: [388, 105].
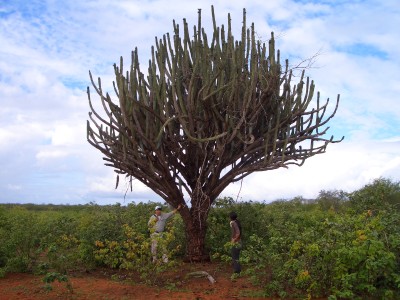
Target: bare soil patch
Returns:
[109, 284]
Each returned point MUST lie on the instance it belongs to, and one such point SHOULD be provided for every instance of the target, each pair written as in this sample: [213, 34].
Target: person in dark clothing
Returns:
[236, 240]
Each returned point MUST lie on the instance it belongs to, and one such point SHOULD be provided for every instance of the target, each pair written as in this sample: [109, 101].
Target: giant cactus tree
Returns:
[209, 112]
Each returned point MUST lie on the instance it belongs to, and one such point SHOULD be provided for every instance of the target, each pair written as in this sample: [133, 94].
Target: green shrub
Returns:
[20, 235]
[381, 194]
[133, 253]
[340, 246]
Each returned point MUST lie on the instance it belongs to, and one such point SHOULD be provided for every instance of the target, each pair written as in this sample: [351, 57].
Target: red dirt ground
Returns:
[100, 284]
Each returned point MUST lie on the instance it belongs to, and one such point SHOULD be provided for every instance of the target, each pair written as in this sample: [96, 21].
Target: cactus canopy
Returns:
[209, 111]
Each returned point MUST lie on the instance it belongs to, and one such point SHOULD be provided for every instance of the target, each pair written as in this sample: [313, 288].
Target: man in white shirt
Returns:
[156, 226]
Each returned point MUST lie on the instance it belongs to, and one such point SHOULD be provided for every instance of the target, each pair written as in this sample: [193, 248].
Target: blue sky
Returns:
[48, 47]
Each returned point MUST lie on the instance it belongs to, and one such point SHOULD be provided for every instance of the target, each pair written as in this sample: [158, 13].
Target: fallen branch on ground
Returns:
[201, 274]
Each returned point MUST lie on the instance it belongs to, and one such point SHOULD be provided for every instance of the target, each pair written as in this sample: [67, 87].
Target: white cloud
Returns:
[13, 187]
[50, 153]
[68, 134]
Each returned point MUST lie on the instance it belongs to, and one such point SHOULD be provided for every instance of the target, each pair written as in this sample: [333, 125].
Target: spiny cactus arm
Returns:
[294, 134]
[110, 124]
[140, 106]
[146, 108]
[282, 152]
[240, 172]
[184, 105]
[146, 170]
[161, 187]
[248, 163]
[104, 99]
[114, 140]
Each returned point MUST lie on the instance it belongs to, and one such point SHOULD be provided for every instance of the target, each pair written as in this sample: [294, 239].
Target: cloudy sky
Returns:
[47, 48]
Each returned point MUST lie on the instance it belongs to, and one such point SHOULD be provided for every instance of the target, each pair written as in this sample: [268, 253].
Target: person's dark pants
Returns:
[235, 253]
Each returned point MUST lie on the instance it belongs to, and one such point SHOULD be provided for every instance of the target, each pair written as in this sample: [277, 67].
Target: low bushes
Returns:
[340, 245]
